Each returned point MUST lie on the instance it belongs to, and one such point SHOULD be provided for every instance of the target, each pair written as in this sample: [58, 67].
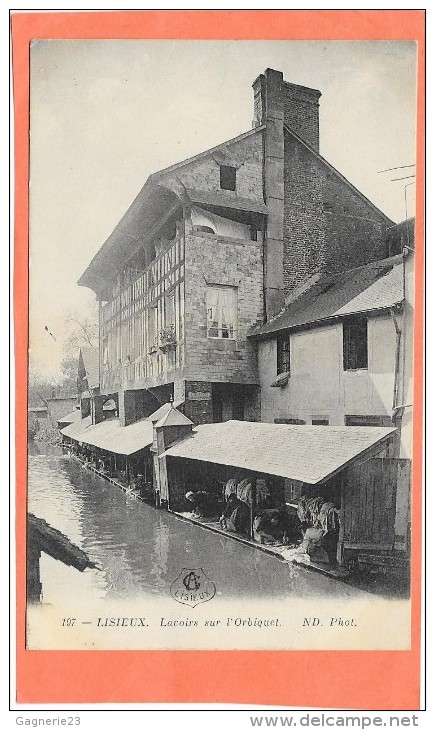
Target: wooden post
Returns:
[253, 503]
[340, 542]
[34, 587]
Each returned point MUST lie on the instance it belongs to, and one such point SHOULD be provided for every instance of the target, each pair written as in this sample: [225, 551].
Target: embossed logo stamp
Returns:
[192, 587]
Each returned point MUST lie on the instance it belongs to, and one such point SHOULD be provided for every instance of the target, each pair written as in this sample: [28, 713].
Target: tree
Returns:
[82, 330]
[40, 386]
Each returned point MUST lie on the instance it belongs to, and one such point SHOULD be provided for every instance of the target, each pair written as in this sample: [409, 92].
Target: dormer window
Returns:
[227, 177]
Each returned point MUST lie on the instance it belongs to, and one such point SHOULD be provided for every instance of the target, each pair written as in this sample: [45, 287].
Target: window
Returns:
[355, 355]
[282, 354]
[222, 312]
[152, 329]
[320, 422]
[227, 177]
[290, 421]
[170, 309]
[368, 421]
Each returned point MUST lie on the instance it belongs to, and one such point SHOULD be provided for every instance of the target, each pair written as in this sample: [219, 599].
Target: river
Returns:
[141, 550]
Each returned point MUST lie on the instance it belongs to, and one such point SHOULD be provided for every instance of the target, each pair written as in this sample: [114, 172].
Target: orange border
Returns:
[361, 680]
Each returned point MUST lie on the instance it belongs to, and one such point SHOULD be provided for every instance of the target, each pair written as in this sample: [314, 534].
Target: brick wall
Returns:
[301, 112]
[327, 226]
[304, 220]
[211, 259]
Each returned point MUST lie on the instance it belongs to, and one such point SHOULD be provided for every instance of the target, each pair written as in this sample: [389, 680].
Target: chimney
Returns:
[301, 112]
[299, 104]
[269, 110]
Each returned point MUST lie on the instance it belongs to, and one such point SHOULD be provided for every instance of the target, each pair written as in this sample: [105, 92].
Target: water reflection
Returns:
[142, 550]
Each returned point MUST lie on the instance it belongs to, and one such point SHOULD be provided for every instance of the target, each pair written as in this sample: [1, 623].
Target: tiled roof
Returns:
[308, 454]
[91, 361]
[373, 287]
[111, 436]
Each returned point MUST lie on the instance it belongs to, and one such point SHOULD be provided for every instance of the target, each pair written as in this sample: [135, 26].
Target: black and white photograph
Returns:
[221, 301]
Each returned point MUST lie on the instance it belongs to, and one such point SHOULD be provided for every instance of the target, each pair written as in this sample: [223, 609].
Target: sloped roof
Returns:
[174, 418]
[111, 436]
[163, 410]
[72, 417]
[369, 288]
[309, 454]
[74, 430]
[206, 153]
[152, 202]
[91, 362]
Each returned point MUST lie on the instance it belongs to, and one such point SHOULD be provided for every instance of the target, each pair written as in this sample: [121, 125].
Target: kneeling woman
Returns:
[236, 516]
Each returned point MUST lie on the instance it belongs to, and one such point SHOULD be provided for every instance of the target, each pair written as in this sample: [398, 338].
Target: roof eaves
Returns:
[336, 172]
[263, 335]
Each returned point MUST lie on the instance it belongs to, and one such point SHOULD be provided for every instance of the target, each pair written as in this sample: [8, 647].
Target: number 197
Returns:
[68, 621]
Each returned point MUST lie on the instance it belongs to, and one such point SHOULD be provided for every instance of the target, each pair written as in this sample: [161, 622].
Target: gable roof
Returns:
[334, 170]
[174, 418]
[206, 153]
[152, 201]
[373, 287]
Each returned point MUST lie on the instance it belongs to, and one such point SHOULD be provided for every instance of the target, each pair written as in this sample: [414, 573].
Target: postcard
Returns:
[222, 239]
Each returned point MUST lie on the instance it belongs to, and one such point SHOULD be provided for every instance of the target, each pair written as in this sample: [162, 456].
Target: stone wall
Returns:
[246, 155]
[214, 260]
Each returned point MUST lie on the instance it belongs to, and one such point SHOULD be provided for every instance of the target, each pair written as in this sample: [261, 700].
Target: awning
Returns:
[111, 436]
[308, 454]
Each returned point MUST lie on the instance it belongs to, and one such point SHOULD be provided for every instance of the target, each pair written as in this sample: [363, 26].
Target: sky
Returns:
[106, 114]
